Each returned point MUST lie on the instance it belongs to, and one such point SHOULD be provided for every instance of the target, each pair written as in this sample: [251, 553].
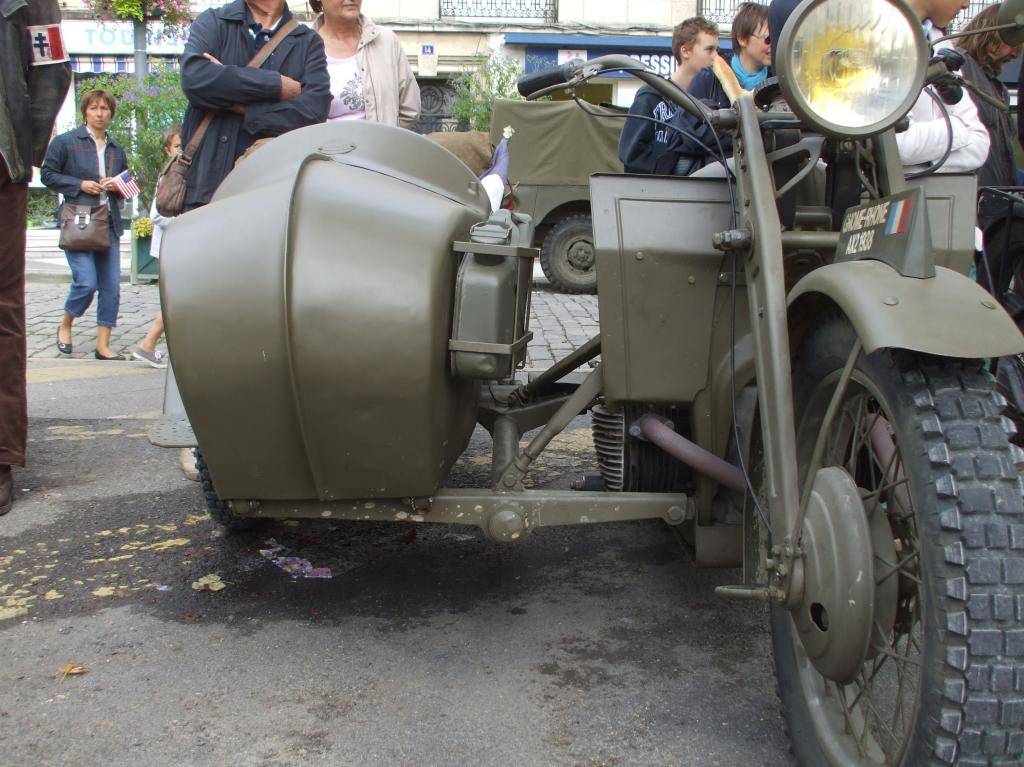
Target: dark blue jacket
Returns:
[644, 145]
[779, 12]
[71, 159]
[222, 32]
[705, 87]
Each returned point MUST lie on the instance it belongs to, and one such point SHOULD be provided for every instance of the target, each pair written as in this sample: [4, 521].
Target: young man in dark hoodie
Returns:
[654, 147]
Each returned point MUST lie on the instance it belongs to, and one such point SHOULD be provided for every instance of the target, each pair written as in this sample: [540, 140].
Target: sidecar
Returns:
[347, 309]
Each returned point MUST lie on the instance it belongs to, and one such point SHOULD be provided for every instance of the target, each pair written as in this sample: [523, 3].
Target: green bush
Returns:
[144, 112]
[476, 89]
[42, 206]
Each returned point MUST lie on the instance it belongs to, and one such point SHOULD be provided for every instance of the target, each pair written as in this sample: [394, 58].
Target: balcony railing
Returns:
[964, 17]
[500, 10]
[723, 11]
[720, 11]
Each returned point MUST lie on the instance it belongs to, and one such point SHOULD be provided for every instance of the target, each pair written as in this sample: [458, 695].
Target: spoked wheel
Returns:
[909, 634]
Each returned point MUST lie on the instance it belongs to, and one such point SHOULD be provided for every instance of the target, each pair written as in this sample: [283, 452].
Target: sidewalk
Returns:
[559, 322]
[45, 261]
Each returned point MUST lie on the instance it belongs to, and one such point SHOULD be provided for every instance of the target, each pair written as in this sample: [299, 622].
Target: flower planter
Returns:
[145, 268]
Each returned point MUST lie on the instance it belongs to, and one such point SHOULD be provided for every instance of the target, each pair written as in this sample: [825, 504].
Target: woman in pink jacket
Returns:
[370, 75]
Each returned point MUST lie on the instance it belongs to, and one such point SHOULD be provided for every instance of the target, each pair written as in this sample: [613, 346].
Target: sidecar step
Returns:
[172, 432]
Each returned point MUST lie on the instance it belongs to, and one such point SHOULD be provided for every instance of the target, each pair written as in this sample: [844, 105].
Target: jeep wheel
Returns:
[567, 255]
[218, 510]
[928, 670]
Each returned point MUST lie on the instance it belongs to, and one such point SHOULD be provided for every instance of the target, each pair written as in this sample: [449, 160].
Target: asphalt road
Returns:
[587, 646]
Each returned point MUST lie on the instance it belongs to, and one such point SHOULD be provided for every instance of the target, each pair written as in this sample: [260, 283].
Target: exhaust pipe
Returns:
[692, 454]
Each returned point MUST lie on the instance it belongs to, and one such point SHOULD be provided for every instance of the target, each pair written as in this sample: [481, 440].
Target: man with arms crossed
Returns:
[291, 90]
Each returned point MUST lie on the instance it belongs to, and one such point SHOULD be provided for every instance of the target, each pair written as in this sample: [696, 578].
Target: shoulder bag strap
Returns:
[257, 61]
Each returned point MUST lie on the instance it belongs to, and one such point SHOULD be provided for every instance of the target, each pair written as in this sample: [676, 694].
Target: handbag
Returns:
[84, 227]
[173, 180]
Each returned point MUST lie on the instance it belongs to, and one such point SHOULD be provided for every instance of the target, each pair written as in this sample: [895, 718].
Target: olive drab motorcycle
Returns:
[791, 373]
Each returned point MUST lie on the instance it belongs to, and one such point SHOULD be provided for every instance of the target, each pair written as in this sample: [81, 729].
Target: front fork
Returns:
[760, 238]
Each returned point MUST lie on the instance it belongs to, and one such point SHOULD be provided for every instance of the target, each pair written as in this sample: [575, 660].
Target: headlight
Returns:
[851, 67]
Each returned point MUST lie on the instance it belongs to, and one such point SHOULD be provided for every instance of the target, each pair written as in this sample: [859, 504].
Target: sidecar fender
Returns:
[947, 315]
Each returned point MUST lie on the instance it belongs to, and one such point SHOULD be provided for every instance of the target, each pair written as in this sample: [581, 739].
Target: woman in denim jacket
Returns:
[81, 164]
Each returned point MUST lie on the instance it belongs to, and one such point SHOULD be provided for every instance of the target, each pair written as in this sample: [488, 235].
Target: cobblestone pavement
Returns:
[559, 322]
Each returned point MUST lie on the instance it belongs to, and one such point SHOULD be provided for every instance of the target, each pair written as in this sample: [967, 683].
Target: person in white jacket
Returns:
[146, 349]
[927, 138]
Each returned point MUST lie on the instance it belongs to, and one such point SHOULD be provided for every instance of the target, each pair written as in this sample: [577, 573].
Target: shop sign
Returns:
[118, 37]
[659, 60]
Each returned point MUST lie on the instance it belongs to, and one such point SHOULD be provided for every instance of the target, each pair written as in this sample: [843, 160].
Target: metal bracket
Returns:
[732, 239]
[482, 347]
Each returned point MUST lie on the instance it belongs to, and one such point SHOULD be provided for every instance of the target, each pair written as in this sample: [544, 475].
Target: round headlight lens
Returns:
[852, 67]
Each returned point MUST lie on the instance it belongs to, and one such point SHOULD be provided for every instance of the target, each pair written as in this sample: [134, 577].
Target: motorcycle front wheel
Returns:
[942, 682]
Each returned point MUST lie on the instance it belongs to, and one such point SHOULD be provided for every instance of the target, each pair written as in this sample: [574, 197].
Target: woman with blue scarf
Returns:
[751, 44]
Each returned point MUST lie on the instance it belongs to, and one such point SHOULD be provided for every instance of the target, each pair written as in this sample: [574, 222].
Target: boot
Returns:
[6, 489]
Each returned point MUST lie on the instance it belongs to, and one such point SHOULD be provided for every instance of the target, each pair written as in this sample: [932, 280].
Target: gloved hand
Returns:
[948, 86]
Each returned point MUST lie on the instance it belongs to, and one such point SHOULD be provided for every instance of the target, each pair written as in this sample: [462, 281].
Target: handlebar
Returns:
[942, 72]
[548, 78]
[541, 83]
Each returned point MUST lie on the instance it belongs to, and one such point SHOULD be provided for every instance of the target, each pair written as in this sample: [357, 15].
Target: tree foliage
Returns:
[477, 88]
[144, 112]
[176, 15]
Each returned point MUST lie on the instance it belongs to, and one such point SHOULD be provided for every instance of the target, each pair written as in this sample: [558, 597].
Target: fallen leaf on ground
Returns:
[103, 591]
[209, 583]
[12, 612]
[190, 617]
[71, 669]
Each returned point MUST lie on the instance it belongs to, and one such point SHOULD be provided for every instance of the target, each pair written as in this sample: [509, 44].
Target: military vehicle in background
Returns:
[554, 150]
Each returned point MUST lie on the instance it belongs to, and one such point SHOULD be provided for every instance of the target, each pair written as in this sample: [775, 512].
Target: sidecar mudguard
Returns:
[947, 315]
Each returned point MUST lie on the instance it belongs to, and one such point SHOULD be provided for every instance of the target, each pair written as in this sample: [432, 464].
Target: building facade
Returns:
[445, 37]
[441, 37]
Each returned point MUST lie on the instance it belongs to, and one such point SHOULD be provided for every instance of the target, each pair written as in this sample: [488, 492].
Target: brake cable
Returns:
[949, 144]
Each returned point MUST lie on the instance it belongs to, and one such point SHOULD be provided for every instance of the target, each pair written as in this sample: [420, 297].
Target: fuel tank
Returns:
[309, 309]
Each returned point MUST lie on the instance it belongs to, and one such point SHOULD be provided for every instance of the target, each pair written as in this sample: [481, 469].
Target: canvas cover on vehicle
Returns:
[556, 142]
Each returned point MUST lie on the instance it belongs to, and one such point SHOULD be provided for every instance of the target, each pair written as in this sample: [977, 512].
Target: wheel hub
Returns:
[581, 255]
[836, 617]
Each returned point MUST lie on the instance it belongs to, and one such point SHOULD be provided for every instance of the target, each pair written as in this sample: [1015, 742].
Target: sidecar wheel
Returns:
[942, 677]
[567, 255]
[217, 509]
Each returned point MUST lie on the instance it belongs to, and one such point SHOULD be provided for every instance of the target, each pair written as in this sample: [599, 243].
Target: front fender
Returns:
[947, 315]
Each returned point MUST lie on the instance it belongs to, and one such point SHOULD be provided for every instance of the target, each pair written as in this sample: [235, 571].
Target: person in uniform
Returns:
[34, 78]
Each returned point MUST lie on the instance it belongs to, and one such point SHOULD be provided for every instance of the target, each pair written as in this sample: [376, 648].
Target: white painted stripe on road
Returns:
[77, 370]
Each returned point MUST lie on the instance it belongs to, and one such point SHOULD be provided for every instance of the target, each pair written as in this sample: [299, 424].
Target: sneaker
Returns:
[155, 358]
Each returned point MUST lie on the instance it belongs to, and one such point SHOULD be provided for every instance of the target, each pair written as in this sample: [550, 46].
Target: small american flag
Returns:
[125, 185]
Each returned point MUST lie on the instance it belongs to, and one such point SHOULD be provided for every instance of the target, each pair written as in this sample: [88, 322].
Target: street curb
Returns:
[57, 278]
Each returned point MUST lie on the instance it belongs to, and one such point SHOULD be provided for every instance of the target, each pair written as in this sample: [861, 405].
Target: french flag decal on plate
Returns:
[899, 216]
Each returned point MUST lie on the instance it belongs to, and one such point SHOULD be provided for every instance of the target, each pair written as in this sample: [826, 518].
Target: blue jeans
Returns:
[92, 271]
